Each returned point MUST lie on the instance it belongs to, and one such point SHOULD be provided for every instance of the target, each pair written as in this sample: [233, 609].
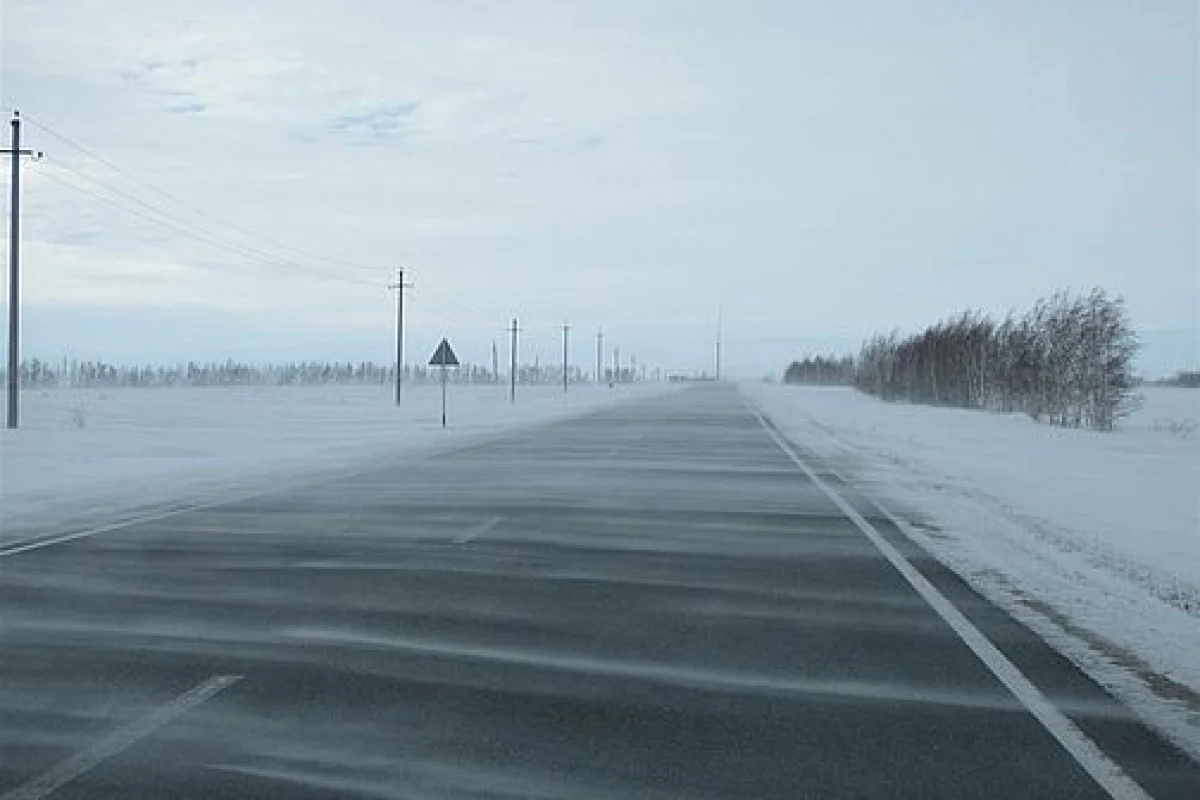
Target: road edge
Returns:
[1106, 772]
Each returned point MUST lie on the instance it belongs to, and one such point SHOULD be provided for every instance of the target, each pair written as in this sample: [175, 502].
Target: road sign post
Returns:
[443, 357]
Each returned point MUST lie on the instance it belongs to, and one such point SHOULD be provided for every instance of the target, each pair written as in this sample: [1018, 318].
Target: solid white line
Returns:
[478, 530]
[23, 547]
[1106, 772]
[121, 739]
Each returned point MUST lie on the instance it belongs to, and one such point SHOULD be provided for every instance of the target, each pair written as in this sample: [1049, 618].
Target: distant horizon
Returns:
[51, 335]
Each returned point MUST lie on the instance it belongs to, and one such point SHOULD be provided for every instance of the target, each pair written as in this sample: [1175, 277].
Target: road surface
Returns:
[652, 601]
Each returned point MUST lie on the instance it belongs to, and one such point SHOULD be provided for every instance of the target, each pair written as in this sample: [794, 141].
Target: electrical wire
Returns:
[187, 228]
[170, 218]
[478, 314]
[199, 235]
[179, 201]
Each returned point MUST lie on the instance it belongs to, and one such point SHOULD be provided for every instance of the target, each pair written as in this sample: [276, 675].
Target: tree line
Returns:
[39, 374]
[1184, 379]
[1067, 361]
[821, 371]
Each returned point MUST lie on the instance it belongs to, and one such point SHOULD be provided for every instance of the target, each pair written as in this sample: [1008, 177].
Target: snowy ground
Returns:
[88, 457]
[1092, 539]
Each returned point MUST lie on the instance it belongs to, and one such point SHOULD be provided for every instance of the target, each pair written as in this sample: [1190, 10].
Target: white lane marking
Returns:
[23, 547]
[231, 497]
[1106, 772]
[478, 530]
[66, 771]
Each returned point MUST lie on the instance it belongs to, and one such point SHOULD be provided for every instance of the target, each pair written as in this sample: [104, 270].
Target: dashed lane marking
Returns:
[477, 531]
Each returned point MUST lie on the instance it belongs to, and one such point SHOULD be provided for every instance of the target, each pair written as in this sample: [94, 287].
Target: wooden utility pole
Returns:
[600, 356]
[512, 371]
[399, 286]
[720, 336]
[566, 333]
[14, 274]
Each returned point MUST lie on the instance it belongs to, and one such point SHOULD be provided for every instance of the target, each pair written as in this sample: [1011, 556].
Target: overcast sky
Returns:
[817, 170]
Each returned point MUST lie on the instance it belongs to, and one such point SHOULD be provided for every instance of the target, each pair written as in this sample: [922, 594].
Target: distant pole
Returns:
[14, 275]
[512, 371]
[495, 363]
[720, 334]
[616, 365]
[600, 356]
[566, 334]
[399, 286]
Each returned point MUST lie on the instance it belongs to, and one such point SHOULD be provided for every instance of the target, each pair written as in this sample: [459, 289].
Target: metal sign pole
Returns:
[443, 357]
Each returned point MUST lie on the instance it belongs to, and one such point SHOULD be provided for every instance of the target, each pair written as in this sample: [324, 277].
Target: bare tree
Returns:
[1068, 361]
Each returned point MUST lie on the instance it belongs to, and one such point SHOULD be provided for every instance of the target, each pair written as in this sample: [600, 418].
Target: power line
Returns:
[164, 218]
[188, 229]
[479, 315]
[183, 217]
[177, 200]
[476, 312]
[182, 228]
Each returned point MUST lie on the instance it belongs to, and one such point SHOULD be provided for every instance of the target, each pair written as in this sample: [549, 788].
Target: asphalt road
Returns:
[652, 601]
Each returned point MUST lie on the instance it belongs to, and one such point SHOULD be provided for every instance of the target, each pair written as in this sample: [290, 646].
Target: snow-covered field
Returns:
[1092, 539]
[87, 457]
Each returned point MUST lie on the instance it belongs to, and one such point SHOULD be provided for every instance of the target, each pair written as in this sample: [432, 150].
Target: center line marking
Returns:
[119, 740]
[478, 530]
[1103, 770]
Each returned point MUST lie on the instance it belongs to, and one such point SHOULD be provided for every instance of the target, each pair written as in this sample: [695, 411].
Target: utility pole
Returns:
[399, 286]
[495, 363]
[14, 273]
[720, 334]
[600, 356]
[512, 372]
[616, 365]
[566, 335]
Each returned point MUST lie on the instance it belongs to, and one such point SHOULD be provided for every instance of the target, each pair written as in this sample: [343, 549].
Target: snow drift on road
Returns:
[1092, 539]
[89, 456]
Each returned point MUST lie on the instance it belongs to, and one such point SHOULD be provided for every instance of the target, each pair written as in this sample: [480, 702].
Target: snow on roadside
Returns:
[85, 457]
[1091, 539]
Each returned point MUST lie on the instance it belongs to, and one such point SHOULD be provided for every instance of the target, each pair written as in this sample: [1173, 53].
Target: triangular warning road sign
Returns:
[443, 356]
